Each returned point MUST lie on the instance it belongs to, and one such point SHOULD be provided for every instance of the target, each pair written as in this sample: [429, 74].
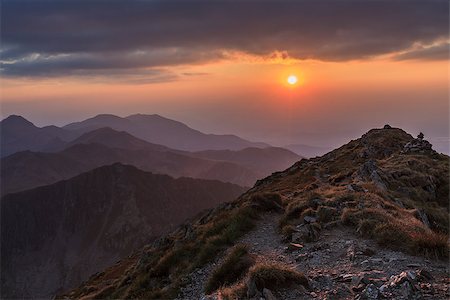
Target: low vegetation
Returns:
[373, 215]
[162, 277]
[265, 275]
[399, 230]
[273, 276]
[234, 266]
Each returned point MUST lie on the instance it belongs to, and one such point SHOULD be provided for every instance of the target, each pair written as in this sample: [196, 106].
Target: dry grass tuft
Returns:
[234, 266]
[400, 231]
[267, 202]
[273, 276]
[265, 275]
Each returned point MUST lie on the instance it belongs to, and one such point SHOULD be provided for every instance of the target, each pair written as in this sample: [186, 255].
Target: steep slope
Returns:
[368, 220]
[53, 237]
[25, 170]
[19, 134]
[159, 130]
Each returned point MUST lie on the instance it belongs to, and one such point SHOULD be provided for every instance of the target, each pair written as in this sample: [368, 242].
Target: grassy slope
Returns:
[385, 206]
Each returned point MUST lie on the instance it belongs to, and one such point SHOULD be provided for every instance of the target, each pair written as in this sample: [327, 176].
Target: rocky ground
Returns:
[339, 265]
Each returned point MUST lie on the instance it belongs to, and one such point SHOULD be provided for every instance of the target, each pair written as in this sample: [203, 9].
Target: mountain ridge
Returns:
[78, 226]
[102, 146]
[160, 130]
[356, 218]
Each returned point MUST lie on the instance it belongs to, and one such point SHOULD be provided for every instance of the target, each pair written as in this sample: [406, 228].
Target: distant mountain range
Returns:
[28, 169]
[53, 237]
[19, 134]
[307, 151]
[163, 131]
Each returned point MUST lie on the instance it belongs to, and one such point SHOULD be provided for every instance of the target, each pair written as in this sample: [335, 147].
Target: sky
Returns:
[222, 66]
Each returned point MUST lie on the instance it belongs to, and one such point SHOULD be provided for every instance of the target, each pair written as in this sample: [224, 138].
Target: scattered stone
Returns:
[423, 217]
[351, 252]
[301, 256]
[418, 146]
[295, 246]
[309, 219]
[307, 233]
[268, 295]
[376, 261]
[411, 275]
[370, 292]
[251, 288]
[355, 188]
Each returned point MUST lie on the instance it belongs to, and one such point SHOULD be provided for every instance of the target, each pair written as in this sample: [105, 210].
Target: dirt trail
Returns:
[340, 265]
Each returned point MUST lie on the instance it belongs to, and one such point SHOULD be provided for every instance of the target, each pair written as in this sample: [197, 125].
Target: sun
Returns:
[292, 79]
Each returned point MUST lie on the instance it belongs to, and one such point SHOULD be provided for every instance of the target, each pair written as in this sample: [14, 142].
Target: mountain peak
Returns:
[116, 139]
[15, 120]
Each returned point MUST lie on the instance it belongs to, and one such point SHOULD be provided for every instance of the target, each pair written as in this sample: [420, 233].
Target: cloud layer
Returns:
[60, 38]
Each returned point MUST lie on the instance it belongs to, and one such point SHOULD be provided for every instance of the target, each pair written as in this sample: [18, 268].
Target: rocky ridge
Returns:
[368, 220]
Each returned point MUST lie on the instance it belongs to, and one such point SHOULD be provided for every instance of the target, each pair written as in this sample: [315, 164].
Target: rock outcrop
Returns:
[418, 146]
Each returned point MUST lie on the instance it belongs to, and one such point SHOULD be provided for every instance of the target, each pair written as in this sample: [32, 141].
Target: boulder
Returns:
[268, 295]
[370, 292]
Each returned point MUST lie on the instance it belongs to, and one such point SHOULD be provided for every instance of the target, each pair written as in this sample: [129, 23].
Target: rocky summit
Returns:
[368, 220]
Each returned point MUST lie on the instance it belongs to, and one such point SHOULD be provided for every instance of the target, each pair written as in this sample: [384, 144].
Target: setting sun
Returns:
[292, 79]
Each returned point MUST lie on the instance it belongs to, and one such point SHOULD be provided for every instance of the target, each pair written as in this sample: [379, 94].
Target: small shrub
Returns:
[275, 276]
[267, 201]
[294, 210]
[226, 233]
[287, 231]
[234, 266]
[236, 291]
[326, 214]
[172, 259]
[431, 244]
[397, 232]
[307, 212]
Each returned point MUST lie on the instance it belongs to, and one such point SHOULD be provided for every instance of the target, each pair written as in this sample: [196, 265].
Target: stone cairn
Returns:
[418, 146]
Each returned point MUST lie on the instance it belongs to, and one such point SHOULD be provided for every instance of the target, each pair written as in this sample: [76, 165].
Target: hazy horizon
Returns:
[221, 67]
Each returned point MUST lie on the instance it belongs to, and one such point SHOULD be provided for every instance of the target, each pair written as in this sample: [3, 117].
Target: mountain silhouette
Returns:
[159, 130]
[53, 237]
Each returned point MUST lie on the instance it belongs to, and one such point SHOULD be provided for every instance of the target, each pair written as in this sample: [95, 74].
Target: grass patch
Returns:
[273, 276]
[263, 275]
[401, 232]
[234, 266]
[226, 232]
[267, 202]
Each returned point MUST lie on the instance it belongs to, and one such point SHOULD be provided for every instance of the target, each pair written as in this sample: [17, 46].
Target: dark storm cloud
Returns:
[82, 36]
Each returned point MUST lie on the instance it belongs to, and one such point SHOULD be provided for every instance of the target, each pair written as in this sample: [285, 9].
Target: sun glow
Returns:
[292, 79]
